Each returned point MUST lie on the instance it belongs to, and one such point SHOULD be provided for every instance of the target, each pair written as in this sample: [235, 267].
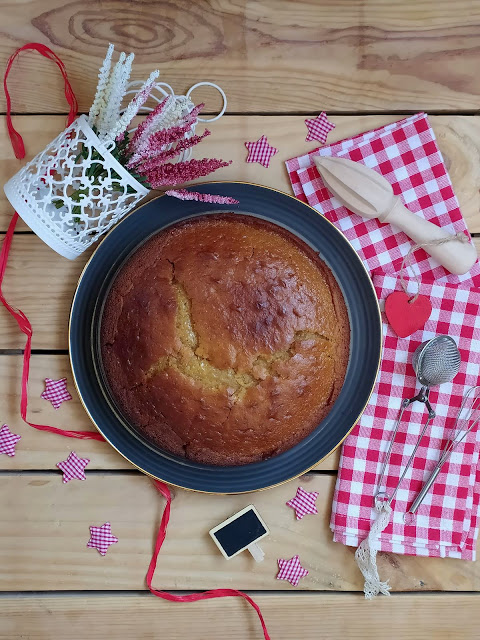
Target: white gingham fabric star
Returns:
[73, 467]
[56, 391]
[303, 502]
[291, 570]
[8, 440]
[260, 151]
[318, 128]
[101, 538]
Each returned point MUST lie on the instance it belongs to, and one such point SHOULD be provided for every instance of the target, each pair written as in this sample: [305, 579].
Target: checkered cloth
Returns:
[56, 391]
[318, 128]
[443, 523]
[303, 503]
[73, 467]
[446, 524]
[291, 570]
[406, 153]
[260, 151]
[8, 440]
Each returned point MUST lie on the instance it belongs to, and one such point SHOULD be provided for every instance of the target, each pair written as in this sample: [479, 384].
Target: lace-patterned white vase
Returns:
[73, 191]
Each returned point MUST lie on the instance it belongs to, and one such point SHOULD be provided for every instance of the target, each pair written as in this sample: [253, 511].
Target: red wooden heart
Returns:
[406, 317]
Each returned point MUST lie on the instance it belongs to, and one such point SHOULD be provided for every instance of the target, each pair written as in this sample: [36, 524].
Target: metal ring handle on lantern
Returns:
[220, 91]
[166, 90]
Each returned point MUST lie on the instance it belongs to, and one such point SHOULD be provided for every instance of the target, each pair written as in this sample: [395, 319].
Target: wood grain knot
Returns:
[158, 32]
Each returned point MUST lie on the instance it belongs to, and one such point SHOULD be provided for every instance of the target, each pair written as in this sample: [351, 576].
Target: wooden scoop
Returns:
[370, 195]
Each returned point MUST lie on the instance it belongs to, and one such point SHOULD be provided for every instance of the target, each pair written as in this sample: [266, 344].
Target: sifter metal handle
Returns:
[426, 488]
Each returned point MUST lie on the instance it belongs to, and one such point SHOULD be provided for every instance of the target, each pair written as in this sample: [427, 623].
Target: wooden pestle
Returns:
[370, 195]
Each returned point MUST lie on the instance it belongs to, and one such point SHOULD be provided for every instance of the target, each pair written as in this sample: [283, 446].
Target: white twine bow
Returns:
[407, 262]
[366, 554]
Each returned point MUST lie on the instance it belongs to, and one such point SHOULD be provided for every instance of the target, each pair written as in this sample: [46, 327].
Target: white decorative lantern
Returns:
[73, 191]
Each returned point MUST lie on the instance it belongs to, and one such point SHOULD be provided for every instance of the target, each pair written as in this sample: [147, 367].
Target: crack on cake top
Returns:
[188, 362]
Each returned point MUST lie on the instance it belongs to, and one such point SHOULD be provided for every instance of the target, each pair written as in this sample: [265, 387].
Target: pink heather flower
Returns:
[171, 174]
[193, 115]
[157, 158]
[156, 143]
[183, 194]
[143, 127]
[149, 142]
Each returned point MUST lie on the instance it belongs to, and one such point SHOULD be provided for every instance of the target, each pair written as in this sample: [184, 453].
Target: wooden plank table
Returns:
[367, 63]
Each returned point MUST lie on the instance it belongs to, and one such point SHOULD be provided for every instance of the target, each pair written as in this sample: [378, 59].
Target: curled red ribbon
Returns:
[21, 319]
[192, 597]
[15, 137]
[26, 327]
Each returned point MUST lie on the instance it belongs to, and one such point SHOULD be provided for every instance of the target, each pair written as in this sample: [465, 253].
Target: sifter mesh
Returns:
[436, 361]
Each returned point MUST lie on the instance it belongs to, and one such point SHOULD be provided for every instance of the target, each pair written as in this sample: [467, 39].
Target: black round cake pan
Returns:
[365, 338]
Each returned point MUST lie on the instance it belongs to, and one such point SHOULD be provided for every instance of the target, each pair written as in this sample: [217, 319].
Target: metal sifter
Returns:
[435, 362]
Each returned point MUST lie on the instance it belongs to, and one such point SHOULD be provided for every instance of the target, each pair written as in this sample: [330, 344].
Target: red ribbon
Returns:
[15, 137]
[21, 319]
[193, 597]
[25, 326]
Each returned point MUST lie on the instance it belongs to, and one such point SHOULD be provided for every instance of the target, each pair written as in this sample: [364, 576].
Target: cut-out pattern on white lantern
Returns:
[73, 191]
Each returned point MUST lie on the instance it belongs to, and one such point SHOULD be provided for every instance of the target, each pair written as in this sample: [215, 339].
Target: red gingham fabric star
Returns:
[73, 467]
[318, 128]
[56, 391]
[260, 151]
[291, 570]
[303, 502]
[8, 440]
[101, 538]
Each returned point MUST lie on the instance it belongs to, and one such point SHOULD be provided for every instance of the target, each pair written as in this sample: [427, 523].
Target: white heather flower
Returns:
[172, 117]
[102, 120]
[116, 90]
[103, 76]
[122, 89]
[133, 107]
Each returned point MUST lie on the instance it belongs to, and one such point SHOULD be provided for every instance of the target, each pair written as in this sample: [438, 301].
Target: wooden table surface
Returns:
[366, 63]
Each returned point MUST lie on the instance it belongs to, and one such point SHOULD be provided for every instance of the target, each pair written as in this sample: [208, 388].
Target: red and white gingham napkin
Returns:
[443, 523]
[406, 153]
[446, 524]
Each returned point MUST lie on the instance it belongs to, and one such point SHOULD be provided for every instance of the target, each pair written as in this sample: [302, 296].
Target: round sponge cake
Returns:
[225, 339]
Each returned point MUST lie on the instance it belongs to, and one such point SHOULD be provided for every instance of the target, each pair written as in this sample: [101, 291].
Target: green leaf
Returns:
[77, 196]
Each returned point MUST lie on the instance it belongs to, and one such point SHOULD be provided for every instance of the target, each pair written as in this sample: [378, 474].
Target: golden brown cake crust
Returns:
[225, 339]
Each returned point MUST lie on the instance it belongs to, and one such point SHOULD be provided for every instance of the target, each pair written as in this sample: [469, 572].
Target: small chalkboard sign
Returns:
[242, 531]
